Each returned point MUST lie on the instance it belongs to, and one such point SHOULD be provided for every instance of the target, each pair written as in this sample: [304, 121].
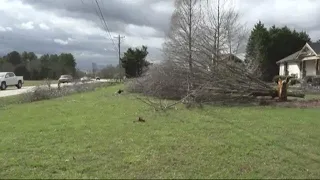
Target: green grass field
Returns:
[33, 83]
[93, 135]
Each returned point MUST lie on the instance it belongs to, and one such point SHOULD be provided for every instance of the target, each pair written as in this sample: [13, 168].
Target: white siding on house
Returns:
[310, 68]
[281, 70]
[293, 68]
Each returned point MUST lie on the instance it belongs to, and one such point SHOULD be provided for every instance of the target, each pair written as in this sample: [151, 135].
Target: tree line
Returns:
[32, 67]
[266, 46]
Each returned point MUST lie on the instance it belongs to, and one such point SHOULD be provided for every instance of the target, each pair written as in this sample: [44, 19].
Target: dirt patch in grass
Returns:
[312, 103]
[291, 103]
[308, 102]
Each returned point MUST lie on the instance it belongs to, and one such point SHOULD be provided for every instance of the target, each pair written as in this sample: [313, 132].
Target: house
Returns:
[230, 58]
[302, 63]
[238, 58]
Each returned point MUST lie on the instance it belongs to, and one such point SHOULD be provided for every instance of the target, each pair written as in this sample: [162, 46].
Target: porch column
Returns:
[317, 67]
[286, 72]
[303, 69]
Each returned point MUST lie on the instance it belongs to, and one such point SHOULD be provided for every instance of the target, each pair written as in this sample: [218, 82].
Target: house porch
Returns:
[310, 66]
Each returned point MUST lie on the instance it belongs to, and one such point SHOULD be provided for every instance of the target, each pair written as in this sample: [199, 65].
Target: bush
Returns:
[311, 80]
[44, 93]
[276, 78]
[315, 81]
[307, 79]
[161, 81]
[294, 81]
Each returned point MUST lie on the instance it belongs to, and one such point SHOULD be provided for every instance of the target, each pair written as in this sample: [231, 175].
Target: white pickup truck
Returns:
[10, 79]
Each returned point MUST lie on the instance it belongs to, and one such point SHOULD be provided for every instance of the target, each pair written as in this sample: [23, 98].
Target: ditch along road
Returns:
[12, 90]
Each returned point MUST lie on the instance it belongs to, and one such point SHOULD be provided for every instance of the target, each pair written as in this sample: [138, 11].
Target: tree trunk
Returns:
[282, 89]
[274, 93]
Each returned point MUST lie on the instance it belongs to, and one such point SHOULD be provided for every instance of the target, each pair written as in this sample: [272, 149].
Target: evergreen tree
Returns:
[134, 61]
[256, 50]
[267, 46]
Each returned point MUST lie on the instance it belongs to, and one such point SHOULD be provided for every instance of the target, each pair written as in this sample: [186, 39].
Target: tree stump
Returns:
[283, 89]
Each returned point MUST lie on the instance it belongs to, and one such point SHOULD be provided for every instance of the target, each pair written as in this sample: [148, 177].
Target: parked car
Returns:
[65, 79]
[10, 79]
[85, 79]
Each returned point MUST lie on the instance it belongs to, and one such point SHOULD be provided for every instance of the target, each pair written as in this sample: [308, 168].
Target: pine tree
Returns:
[256, 50]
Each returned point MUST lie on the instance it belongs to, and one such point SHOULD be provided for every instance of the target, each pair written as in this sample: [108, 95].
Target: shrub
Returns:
[276, 78]
[161, 81]
[311, 80]
[294, 81]
[44, 93]
[315, 81]
[308, 79]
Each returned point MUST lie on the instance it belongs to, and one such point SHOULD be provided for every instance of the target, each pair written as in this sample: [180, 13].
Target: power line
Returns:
[100, 18]
[97, 13]
[105, 23]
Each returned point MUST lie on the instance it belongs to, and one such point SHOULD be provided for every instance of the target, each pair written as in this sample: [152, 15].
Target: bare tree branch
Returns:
[198, 67]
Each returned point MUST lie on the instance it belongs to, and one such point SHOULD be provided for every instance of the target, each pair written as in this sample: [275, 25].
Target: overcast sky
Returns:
[55, 26]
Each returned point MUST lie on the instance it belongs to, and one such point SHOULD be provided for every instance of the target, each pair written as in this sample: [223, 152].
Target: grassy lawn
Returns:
[9, 100]
[93, 135]
[33, 83]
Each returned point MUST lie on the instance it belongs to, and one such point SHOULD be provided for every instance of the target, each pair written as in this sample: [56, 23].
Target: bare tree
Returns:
[222, 31]
[180, 44]
[197, 67]
[236, 32]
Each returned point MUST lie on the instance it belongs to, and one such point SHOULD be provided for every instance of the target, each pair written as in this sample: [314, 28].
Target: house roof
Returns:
[315, 47]
[291, 57]
[235, 57]
[241, 56]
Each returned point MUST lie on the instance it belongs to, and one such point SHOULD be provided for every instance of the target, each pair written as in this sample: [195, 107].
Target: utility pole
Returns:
[94, 69]
[119, 37]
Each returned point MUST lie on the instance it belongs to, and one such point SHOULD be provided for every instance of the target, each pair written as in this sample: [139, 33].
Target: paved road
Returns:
[11, 91]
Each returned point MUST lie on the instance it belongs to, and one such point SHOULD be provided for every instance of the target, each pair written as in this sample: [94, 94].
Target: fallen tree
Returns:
[229, 85]
[200, 66]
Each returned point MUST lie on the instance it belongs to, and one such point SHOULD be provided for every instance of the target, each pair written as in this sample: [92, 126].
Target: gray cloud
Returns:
[40, 25]
[116, 12]
[47, 30]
